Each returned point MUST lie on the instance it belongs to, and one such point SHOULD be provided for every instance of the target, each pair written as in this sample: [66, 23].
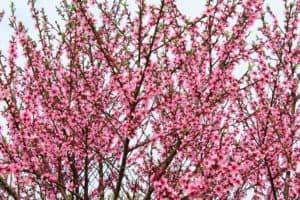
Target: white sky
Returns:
[191, 8]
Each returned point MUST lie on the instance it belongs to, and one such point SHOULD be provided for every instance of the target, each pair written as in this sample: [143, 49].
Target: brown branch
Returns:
[122, 169]
[271, 179]
[4, 185]
[75, 173]
[101, 184]
[164, 165]
[86, 167]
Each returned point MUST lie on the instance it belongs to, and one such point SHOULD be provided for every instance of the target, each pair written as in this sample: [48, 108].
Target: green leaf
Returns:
[223, 133]
[47, 64]
[250, 66]
[186, 130]
[12, 8]
[161, 25]
[124, 4]
[72, 24]
[45, 94]
[201, 168]
[72, 7]
[63, 36]
[227, 35]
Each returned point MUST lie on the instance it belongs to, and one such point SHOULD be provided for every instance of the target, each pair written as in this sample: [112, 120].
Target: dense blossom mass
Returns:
[110, 103]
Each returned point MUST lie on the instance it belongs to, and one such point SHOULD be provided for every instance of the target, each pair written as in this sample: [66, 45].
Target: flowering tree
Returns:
[144, 105]
[270, 130]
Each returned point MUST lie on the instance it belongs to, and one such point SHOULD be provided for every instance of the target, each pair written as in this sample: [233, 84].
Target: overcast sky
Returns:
[191, 8]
